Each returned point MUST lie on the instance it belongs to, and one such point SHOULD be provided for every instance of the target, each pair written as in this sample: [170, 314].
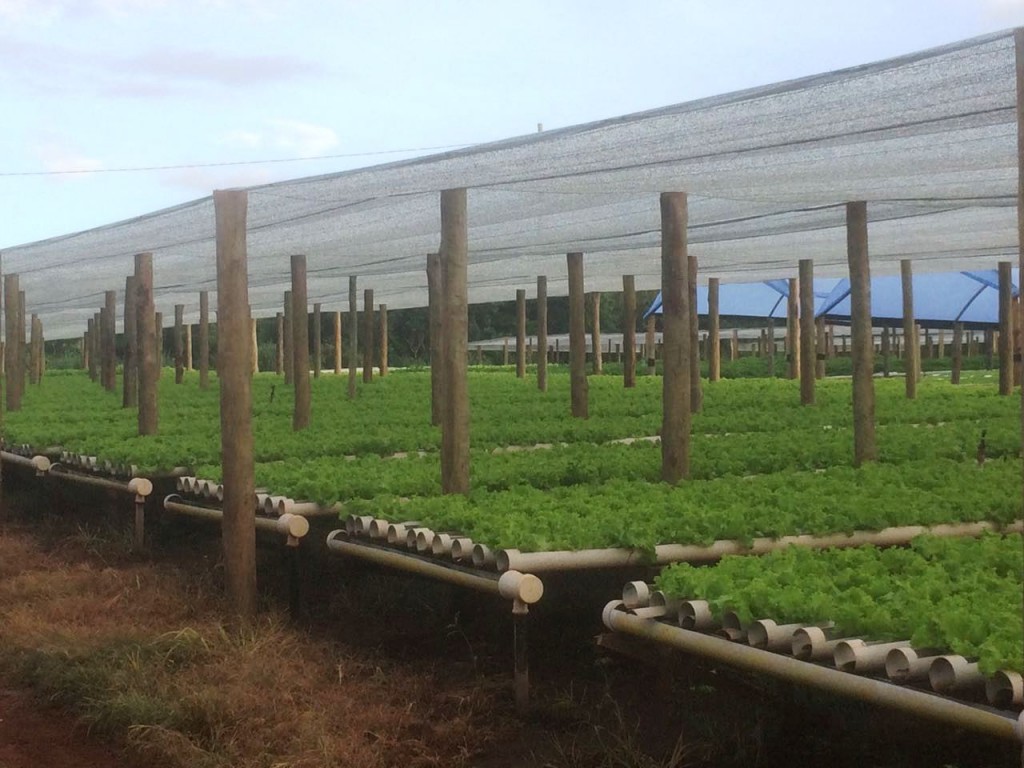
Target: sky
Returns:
[241, 92]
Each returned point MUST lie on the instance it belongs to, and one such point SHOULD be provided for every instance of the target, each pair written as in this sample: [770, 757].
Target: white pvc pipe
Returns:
[379, 529]
[38, 463]
[293, 526]
[462, 548]
[484, 557]
[908, 665]
[784, 667]
[863, 658]
[441, 545]
[696, 615]
[815, 644]
[954, 673]
[1005, 689]
[567, 560]
[770, 636]
[636, 594]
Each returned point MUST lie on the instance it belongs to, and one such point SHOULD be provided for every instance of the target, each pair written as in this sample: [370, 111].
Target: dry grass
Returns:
[139, 651]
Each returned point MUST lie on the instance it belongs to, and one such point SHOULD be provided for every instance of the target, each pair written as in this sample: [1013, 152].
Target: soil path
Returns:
[35, 737]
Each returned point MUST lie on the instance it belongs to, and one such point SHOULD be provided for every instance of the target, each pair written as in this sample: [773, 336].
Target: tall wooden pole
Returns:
[650, 352]
[714, 332]
[819, 350]
[577, 338]
[696, 392]
[910, 347]
[84, 344]
[958, 353]
[41, 359]
[23, 369]
[793, 330]
[455, 421]
[286, 341]
[383, 311]
[300, 343]
[109, 345]
[159, 343]
[808, 351]
[188, 346]
[734, 345]
[1005, 328]
[629, 331]
[130, 379]
[542, 333]
[520, 333]
[769, 346]
[204, 339]
[254, 345]
[595, 332]
[279, 344]
[675, 324]
[34, 349]
[235, 369]
[318, 345]
[337, 343]
[90, 352]
[368, 334]
[353, 336]
[179, 343]
[862, 349]
[149, 363]
[12, 374]
[435, 297]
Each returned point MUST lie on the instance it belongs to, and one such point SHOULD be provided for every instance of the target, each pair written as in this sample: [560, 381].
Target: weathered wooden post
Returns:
[909, 332]
[368, 334]
[353, 336]
[958, 353]
[34, 349]
[455, 421]
[90, 361]
[279, 343]
[337, 343]
[542, 333]
[917, 354]
[179, 343]
[22, 357]
[768, 339]
[188, 346]
[148, 362]
[435, 297]
[286, 342]
[792, 330]
[860, 318]
[318, 346]
[235, 370]
[886, 350]
[734, 345]
[520, 333]
[808, 353]
[650, 353]
[83, 352]
[819, 352]
[579, 389]
[130, 377]
[696, 392]
[254, 345]
[504, 352]
[204, 339]
[714, 332]
[383, 311]
[941, 344]
[159, 343]
[101, 323]
[595, 332]
[300, 343]
[12, 372]
[675, 324]
[1005, 328]
[109, 343]
[629, 331]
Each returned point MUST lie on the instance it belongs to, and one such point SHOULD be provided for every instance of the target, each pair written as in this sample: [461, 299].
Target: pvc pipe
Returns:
[397, 532]
[183, 484]
[412, 536]
[270, 504]
[815, 644]
[441, 545]
[355, 524]
[863, 658]
[293, 526]
[770, 636]
[954, 673]
[139, 486]
[462, 548]
[907, 665]
[512, 585]
[1005, 689]
[696, 615]
[636, 594]
[671, 604]
[424, 540]
[569, 560]
[784, 667]
[379, 529]
[484, 557]
[38, 463]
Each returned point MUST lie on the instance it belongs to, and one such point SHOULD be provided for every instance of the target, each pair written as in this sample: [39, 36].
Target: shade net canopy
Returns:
[766, 299]
[927, 139]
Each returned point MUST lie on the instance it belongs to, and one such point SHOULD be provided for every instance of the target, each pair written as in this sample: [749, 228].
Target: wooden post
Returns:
[696, 393]
[149, 363]
[504, 351]
[808, 353]
[792, 330]
[368, 333]
[12, 373]
[917, 352]
[337, 343]
[159, 343]
[819, 352]
[22, 357]
[300, 343]
[675, 323]
[629, 331]
[579, 389]
[109, 345]
[254, 345]
[520, 333]
[353, 336]
[204, 339]
[101, 340]
[130, 376]
[318, 346]
[542, 333]
[235, 370]
[188, 346]
[286, 341]
[455, 421]
[886, 349]
[734, 345]
[9, 348]
[989, 342]
[34, 350]
[383, 339]
[595, 332]
[714, 332]
[279, 343]
[435, 297]
[958, 353]
[768, 339]
[926, 350]
[42, 352]
[1005, 328]
[83, 346]
[909, 333]
[860, 318]
[179, 343]
[940, 343]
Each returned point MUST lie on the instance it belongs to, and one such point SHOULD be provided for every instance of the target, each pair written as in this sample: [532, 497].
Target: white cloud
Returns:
[58, 156]
[292, 137]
